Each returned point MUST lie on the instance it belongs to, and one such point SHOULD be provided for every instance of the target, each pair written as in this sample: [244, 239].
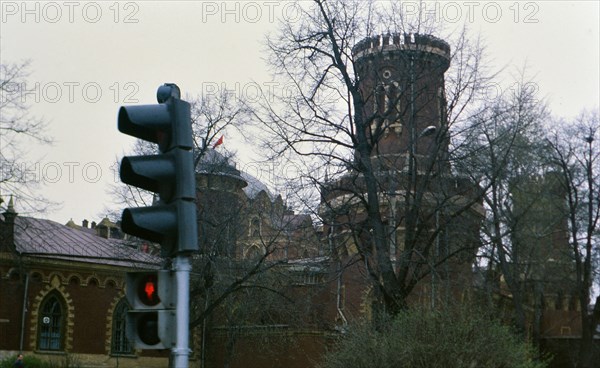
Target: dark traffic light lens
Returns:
[147, 328]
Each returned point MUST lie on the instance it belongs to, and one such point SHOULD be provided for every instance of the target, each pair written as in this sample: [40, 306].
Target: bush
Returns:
[450, 338]
[31, 361]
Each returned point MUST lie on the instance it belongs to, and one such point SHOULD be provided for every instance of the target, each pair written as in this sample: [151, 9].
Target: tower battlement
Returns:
[387, 43]
[401, 80]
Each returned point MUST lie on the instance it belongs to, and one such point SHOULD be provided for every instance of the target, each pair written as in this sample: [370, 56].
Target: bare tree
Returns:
[505, 155]
[242, 285]
[332, 122]
[18, 127]
[576, 156]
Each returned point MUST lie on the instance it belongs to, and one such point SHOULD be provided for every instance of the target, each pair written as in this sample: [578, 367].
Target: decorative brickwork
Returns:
[53, 285]
[109, 321]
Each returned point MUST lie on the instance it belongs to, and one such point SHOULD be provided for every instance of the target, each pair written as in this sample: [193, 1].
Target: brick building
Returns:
[245, 229]
[327, 276]
[62, 292]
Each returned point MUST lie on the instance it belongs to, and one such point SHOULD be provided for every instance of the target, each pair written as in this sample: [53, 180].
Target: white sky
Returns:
[89, 58]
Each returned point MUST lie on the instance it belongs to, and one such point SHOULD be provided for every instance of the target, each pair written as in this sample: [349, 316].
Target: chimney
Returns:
[84, 223]
[7, 228]
[103, 228]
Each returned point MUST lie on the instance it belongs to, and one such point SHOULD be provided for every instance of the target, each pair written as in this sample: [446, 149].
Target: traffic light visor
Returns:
[151, 123]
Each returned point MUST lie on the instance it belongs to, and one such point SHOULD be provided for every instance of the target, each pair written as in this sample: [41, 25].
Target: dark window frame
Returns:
[119, 344]
[51, 323]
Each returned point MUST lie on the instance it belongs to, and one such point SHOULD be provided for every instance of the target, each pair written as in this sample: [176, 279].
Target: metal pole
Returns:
[181, 351]
[24, 312]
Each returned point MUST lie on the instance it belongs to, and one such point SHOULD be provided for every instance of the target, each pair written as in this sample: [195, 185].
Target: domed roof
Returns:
[212, 162]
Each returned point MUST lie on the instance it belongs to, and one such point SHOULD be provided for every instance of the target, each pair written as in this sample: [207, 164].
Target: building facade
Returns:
[62, 294]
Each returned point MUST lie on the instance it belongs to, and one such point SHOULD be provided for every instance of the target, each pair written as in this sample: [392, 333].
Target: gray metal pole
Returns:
[181, 351]
[24, 311]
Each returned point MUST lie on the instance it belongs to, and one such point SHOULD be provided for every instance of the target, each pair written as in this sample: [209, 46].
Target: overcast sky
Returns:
[89, 58]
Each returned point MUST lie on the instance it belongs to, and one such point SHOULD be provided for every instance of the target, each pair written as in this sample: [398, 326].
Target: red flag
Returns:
[220, 141]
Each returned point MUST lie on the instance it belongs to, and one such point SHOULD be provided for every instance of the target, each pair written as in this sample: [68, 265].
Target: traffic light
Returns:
[170, 173]
[151, 319]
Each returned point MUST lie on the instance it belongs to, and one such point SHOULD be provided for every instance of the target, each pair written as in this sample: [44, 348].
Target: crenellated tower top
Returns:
[401, 79]
[427, 45]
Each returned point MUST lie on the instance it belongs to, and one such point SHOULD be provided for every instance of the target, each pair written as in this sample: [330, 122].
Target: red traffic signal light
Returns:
[148, 290]
[150, 321]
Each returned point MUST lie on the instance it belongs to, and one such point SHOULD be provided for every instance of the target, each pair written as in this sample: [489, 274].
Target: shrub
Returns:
[30, 362]
[69, 361]
[421, 338]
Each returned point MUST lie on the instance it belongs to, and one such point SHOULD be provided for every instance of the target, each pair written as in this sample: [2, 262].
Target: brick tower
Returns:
[421, 203]
[402, 82]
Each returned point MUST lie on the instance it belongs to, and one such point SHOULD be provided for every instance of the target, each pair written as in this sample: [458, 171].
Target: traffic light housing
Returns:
[151, 318]
[170, 173]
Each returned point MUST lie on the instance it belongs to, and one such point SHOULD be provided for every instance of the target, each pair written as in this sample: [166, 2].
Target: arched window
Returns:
[51, 324]
[120, 344]
[74, 281]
